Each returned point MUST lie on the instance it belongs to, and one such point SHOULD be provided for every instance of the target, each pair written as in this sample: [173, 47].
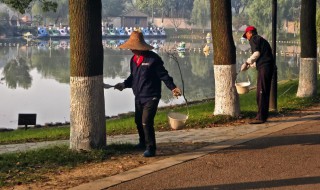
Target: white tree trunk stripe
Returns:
[83, 103]
[226, 95]
[307, 77]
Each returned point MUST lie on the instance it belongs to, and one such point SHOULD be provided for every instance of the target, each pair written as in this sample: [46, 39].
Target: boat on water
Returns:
[28, 36]
[109, 32]
[151, 32]
[206, 48]
[42, 32]
[181, 47]
[52, 32]
[154, 44]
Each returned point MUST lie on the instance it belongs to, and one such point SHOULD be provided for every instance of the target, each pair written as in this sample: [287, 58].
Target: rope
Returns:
[286, 90]
[172, 56]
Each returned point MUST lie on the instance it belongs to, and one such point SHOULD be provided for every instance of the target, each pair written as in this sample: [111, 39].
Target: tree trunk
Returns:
[226, 97]
[274, 82]
[88, 128]
[308, 64]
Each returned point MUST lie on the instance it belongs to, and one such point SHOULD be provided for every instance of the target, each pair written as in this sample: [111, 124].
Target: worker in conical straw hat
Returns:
[146, 73]
[136, 42]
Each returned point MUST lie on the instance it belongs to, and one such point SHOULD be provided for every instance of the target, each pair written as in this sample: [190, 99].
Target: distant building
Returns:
[291, 27]
[134, 18]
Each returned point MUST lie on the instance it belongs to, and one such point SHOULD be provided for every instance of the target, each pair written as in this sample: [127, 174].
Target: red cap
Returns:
[249, 28]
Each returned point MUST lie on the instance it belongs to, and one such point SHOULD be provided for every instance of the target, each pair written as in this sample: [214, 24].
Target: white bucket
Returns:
[177, 120]
[242, 87]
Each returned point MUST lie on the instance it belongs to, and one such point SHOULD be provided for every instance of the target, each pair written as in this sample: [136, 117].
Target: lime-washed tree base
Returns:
[85, 131]
[307, 77]
[226, 96]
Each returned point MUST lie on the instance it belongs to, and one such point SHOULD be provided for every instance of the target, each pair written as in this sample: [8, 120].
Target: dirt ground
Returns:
[89, 172]
[63, 179]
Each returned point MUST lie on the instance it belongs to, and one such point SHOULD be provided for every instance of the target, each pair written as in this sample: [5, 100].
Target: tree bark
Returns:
[226, 97]
[307, 77]
[308, 64]
[274, 83]
[87, 127]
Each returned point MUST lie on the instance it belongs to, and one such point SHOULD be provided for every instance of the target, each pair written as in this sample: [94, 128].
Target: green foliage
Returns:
[22, 5]
[112, 8]
[201, 12]
[49, 6]
[35, 135]
[144, 4]
[239, 6]
[318, 22]
[60, 14]
[167, 8]
[262, 17]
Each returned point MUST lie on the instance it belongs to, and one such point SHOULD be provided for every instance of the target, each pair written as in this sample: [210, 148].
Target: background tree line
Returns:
[195, 12]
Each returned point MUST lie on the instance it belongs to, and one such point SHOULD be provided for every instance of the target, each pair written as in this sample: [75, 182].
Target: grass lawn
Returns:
[200, 115]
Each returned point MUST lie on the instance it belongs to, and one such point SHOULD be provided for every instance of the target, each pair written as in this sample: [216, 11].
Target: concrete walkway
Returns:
[211, 135]
[222, 138]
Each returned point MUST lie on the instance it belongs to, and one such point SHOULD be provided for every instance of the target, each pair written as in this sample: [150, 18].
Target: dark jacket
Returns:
[258, 43]
[145, 79]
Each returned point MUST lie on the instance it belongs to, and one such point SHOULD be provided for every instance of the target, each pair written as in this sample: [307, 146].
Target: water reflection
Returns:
[35, 79]
[16, 73]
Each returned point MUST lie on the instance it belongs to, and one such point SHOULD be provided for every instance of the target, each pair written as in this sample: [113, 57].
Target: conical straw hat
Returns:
[136, 42]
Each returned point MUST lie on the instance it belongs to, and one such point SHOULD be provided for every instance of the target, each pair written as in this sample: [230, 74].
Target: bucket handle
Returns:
[172, 56]
[248, 78]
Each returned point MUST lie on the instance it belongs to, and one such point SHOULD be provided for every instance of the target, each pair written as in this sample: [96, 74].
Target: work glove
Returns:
[119, 86]
[245, 66]
[176, 92]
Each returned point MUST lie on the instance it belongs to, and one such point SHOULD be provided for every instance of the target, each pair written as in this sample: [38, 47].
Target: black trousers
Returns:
[263, 91]
[144, 119]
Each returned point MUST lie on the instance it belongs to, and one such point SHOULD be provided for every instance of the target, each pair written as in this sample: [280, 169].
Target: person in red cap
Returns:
[261, 58]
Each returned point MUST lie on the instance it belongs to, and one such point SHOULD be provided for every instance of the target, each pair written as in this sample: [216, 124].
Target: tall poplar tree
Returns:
[308, 36]
[88, 129]
[226, 97]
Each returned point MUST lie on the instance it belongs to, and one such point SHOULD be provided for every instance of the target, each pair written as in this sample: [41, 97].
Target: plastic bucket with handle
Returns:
[178, 120]
[242, 87]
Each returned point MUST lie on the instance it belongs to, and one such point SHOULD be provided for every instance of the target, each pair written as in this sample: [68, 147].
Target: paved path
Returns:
[213, 135]
[287, 159]
[267, 163]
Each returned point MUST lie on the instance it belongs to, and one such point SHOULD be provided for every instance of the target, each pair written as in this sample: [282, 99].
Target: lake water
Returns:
[35, 79]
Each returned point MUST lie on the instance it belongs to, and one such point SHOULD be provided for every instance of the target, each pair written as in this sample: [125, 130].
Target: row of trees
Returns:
[195, 12]
[88, 129]
[224, 55]
[58, 11]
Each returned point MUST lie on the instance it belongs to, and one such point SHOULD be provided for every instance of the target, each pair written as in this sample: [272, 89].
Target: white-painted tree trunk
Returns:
[87, 99]
[307, 77]
[226, 96]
